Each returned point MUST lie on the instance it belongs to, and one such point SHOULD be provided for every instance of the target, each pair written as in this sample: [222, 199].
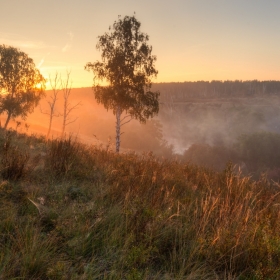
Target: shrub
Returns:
[13, 161]
[215, 157]
[62, 154]
[259, 151]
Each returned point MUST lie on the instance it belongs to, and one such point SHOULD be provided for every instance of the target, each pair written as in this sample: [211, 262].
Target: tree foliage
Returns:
[127, 65]
[260, 150]
[21, 83]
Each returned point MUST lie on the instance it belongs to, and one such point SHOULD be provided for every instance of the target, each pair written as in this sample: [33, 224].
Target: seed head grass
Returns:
[89, 213]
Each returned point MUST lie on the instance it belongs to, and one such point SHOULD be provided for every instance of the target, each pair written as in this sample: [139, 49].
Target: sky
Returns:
[192, 39]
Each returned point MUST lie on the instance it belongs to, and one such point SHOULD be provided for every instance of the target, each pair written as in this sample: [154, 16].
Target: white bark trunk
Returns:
[7, 120]
[118, 129]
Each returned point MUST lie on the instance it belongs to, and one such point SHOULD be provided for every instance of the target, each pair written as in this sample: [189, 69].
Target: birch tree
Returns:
[127, 66]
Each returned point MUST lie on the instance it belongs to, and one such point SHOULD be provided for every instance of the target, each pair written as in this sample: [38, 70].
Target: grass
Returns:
[83, 212]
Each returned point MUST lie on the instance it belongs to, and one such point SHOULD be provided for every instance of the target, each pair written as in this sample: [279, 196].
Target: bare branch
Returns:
[71, 121]
[74, 107]
[53, 98]
[46, 113]
[67, 108]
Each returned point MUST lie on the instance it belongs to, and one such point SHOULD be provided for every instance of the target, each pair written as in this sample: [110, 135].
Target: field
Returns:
[73, 211]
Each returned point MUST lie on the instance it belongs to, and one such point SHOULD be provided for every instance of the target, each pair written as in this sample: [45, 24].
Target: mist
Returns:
[205, 123]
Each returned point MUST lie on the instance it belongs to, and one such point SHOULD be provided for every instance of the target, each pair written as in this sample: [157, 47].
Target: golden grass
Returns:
[131, 216]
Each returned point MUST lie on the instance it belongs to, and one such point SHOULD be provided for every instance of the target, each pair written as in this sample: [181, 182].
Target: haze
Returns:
[193, 40]
[227, 51]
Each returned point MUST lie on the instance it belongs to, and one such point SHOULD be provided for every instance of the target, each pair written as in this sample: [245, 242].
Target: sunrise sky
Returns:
[192, 39]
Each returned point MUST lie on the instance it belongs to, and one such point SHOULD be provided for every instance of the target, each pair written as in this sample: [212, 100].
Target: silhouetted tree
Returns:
[21, 83]
[127, 65]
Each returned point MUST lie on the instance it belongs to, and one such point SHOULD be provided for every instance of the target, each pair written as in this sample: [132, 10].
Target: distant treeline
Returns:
[177, 92]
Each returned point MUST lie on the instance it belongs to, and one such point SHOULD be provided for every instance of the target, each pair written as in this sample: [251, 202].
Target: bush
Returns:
[62, 155]
[13, 161]
[259, 151]
[212, 157]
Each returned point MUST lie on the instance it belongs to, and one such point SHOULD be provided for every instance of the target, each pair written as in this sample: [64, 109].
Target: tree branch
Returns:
[70, 121]
[126, 121]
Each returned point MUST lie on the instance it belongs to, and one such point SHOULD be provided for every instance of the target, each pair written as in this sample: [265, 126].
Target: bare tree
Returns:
[53, 98]
[67, 107]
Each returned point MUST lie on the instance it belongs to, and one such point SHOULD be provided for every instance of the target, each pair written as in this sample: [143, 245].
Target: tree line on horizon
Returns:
[180, 91]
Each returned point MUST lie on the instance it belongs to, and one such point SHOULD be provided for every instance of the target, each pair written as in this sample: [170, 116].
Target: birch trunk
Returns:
[7, 120]
[118, 129]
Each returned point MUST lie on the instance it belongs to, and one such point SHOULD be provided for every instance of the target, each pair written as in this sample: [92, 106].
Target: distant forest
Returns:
[178, 92]
[213, 123]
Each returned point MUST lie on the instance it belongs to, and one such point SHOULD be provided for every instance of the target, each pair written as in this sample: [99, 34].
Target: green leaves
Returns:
[128, 66]
[21, 83]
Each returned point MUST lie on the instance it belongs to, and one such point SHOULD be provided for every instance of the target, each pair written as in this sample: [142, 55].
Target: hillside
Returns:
[71, 211]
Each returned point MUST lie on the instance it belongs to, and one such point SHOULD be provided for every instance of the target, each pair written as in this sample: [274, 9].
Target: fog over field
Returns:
[215, 120]
[207, 123]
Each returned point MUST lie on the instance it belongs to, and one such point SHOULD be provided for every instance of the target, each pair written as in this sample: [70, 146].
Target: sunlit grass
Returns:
[99, 215]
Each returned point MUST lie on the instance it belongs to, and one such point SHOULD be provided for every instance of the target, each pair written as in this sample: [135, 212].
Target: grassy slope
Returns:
[69, 211]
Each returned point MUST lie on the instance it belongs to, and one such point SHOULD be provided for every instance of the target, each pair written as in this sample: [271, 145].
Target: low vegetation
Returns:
[256, 153]
[71, 211]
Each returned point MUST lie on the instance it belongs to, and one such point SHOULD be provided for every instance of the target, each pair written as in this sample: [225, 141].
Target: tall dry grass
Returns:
[131, 216]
